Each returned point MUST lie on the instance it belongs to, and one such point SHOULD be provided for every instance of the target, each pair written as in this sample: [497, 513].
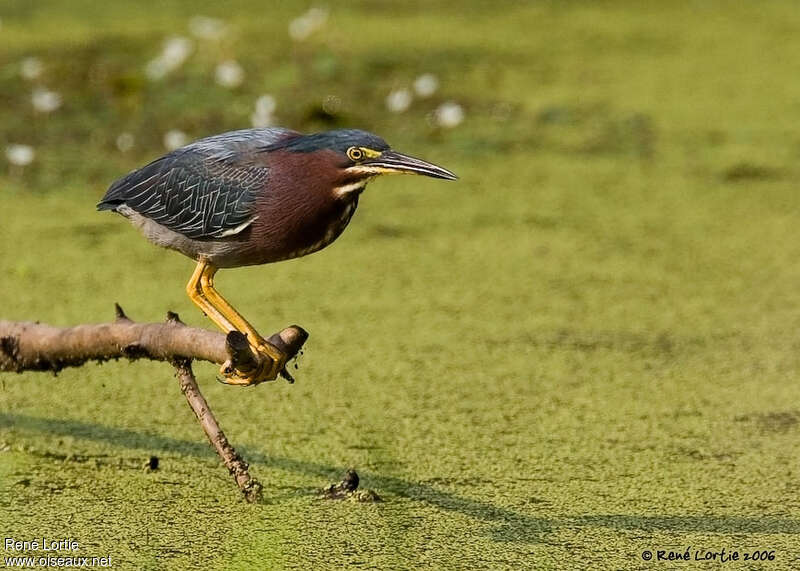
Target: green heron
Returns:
[250, 197]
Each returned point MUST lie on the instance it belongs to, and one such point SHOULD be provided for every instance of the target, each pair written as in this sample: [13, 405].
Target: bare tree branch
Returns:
[26, 346]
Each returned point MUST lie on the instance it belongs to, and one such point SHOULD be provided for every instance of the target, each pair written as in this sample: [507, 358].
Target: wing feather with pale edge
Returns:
[204, 190]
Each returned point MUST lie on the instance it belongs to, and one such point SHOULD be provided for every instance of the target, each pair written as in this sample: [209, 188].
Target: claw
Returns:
[287, 376]
[270, 362]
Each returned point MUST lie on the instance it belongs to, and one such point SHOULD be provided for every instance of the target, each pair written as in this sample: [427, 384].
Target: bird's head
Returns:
[358, 156]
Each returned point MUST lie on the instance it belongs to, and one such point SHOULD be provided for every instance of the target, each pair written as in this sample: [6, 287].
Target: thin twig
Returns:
[238, 468]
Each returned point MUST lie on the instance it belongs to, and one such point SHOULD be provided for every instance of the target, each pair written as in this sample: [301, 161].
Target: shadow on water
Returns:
[513, 526]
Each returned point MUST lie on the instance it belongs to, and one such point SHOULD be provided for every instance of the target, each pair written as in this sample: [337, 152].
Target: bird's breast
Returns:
[295, 228]
[326, 231]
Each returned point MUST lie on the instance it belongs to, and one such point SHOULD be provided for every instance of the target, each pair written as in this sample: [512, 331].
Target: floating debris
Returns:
[45, 101]
[263, 116]
[125, 141]
[205, 28]
[303, 26]
[229, 74]
[176, 51]
[347, 489]
[266, 104]
[449, 115]
[152, 464]
[426, 85]
[20, 155]
[175, 139]
[332, 104]
[31, 68]
[399, 100]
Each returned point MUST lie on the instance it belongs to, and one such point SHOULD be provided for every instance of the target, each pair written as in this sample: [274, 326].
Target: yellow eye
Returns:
[355, 154]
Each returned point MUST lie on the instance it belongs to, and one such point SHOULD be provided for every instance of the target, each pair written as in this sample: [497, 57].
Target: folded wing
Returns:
[204, 190]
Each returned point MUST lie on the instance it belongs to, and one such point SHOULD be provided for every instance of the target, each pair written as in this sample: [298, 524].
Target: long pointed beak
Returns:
[394, 162]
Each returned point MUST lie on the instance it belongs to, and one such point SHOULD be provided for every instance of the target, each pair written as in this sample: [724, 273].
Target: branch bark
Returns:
[26, 346]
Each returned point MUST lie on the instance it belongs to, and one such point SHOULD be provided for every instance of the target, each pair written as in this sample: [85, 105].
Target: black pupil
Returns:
[355, 154]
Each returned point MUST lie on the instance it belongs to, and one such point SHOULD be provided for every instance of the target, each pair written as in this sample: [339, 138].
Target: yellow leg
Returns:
[201, 291]
[196, 294]
[233, 318]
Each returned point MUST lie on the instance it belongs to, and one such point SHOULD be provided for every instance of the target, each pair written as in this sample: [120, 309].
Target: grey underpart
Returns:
[221, 253]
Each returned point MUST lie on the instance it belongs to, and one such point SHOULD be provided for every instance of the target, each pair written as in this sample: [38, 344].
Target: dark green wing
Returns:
[204, 190]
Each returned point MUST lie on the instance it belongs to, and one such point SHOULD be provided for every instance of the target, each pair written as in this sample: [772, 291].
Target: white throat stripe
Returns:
[348, 188]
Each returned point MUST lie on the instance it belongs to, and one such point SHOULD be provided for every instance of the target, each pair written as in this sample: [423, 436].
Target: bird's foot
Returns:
[267, 363]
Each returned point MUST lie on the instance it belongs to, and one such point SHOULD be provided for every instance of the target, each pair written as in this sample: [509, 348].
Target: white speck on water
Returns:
[257, 120]
[20, 155]
[205, 28]
[264, 109]
[31, 68]
[426, 85]
[157, 68]
[332, 104]
[449, 114]
[176, 51]
[175, 139]
[399, 100]
[229, 74]
[125, 141]
[303, 26]
[266, 104]
[45, 101]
